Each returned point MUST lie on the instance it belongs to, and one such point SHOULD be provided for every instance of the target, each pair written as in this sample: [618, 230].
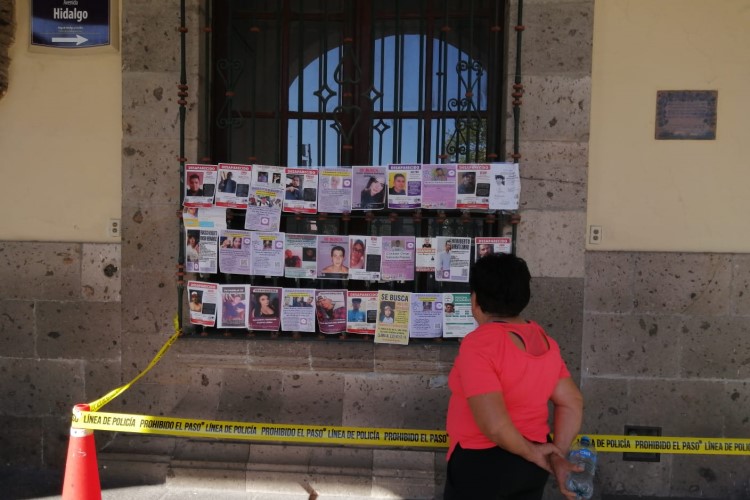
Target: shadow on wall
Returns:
[7, 30]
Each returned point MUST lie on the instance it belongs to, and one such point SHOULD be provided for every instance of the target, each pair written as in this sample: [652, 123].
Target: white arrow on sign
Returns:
[78, 40]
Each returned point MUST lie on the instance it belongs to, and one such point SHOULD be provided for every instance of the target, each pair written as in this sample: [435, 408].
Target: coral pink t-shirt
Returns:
[489, 361]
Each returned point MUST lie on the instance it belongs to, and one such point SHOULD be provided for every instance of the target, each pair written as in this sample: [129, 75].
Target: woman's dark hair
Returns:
[370, 182]
[501, 284]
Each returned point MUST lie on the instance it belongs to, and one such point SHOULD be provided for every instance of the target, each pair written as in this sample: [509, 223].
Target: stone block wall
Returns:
[666, 344]
[60, 342]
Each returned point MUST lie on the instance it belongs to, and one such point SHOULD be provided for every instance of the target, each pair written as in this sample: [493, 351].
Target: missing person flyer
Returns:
[426, 316]
[453, 259]
[369, 187]
[203, 302]
[268, 253]
[361, 312]
[426, 252]
[335, 190]
[235, 252]
[330, 309]
[301, 190]
[404, 186]
[300, 256]
[439, 186]
[234, 185]
[298, 310]
[473, 186]
[398, 258]
[263, 209]
[268, 177]
[233, 306]
[505, 186]
[265, 308]
[333, 258]
[490, 245]
[457, 318]
[200, 185]
[392, 325]
[364, 257]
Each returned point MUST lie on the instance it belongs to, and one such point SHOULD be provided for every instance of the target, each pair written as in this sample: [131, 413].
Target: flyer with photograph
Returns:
[235, 252]
[265, 308]
[397, 263]
[361, 312]
[301, 190]
[268, 177]
[330, 309]
[473, 186]
[233, 306]
[489, 245]
[404, 186]
[505, 186]
[369, 188]
[439, 186]
[298, 309]
[453, 259]
[364, 257]
[268, 253]
[201, 250]
[333, 257]
[204, 217]
[234, 185]
[263, 209]
[200, 185]
[424, 261]
[392, 325]
[300, 251]
[457, 318]
[335, 190]
[426, 315]
[203, 300]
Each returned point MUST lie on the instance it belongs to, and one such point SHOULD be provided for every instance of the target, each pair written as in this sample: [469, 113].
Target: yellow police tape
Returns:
[99, 403]
[336, 435]
[365, 436]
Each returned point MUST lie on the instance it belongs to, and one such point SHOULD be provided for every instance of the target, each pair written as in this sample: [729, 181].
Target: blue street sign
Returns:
[70, 24]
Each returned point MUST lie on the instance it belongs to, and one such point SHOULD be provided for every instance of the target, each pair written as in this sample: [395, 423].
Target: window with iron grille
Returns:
[367, 82]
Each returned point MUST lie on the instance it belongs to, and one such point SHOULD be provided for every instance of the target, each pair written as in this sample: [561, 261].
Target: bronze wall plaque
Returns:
[686, 114]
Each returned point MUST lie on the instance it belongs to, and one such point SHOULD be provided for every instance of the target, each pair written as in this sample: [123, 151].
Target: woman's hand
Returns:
[561, 468]
[542, 454]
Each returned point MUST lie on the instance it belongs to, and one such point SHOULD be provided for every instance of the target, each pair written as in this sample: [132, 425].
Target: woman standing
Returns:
[506, 372]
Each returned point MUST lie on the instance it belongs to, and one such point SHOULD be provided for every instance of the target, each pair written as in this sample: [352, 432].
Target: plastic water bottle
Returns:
[582, 454]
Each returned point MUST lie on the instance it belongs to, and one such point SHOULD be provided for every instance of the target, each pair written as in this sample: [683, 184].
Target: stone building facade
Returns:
[655, 339]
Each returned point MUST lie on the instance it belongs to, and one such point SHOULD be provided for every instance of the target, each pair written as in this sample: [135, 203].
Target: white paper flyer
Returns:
[335, 190]
[453, 259]
[200, 185]
[505, 187]
[298, 310]
[203, 300]
[234, 185]
[457, 318]
[426, 315]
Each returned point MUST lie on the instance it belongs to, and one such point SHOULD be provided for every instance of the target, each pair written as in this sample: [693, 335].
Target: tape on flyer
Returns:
[99, 403]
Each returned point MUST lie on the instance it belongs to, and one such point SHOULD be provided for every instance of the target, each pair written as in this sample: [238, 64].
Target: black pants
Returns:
[492, 474]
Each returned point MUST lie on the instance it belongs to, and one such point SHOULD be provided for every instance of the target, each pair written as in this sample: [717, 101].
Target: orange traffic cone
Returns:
[81, 469]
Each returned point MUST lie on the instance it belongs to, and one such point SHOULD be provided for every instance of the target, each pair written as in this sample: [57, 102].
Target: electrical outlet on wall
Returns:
[114, 228]
[595, 235]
